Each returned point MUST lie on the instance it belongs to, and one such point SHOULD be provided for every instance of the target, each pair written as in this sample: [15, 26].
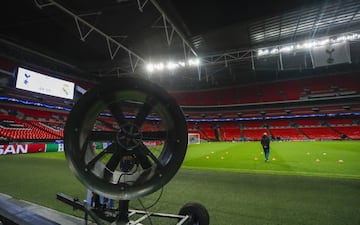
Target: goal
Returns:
[193, 138]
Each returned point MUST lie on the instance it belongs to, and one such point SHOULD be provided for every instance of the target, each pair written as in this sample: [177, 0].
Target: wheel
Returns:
[4, 221]
[125, 138]
[198, 214]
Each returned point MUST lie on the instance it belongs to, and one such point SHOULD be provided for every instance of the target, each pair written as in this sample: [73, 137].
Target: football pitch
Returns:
[303, 183]
[331, 158]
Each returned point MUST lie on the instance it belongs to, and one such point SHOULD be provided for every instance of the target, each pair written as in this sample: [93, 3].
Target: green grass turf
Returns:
[292, 158]
[277, 193]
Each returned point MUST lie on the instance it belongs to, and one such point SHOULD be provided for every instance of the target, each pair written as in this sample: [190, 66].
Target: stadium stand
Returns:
[314, 87]
[26, 123]
[320, 133]
[287, 133]
[13, 128]
[352, 132]
[30, 124]
[254, 134]
[239, 113]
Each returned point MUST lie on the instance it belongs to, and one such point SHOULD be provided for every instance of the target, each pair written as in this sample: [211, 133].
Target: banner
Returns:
[330, 54]
[52, 147]
[21, 149]
[14, 149]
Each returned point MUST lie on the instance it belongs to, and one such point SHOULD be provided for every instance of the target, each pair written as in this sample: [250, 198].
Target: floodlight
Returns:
[172, 65]
[286, 48]
[308, 44]
[182, 63]
[194, 62]
[352, 37]
[323, 42]
[263, 52]
[274, 51]
[159, 66]
[150, 67]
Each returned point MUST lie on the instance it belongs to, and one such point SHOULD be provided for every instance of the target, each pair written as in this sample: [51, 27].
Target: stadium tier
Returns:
[13, 128]
[321, 133]
[254, 134]
[40, 124]
[287, 133]
[239, 113]
[37, 124]
[308, 88]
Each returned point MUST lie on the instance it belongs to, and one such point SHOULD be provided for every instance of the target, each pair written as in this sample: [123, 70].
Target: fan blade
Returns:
[146, 152]
[144, 161]
[117, 113]
[144, 111]
[110, 149]
[112, 164]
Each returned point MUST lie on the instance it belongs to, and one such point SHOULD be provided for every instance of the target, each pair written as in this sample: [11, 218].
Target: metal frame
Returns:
[325, 19]
[182, 219]
[95, 214]
[167, 21]
[112, 44]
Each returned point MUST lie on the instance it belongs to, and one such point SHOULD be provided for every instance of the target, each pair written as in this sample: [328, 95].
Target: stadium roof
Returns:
[115, 37]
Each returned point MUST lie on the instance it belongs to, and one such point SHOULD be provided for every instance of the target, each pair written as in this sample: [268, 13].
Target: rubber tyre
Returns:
[197, 212]
[4, 221]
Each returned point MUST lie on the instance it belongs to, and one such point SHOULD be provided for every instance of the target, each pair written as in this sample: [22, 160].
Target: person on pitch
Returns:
[265, 143]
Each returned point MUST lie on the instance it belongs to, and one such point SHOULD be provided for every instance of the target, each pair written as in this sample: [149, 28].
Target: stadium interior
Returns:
[233, 94]
[234, 70]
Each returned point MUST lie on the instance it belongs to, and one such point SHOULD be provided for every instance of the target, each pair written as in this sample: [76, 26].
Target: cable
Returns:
[154, 203]
[147, 213]
[128, 174]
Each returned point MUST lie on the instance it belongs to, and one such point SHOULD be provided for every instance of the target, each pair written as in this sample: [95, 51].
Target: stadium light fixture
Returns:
[159, 66]
[306, 45]
[194, 62]
[172, 65]
[182, 64]
[150, 67]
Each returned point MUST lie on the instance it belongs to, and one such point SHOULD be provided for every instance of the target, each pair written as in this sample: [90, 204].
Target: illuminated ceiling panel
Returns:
[307, 23]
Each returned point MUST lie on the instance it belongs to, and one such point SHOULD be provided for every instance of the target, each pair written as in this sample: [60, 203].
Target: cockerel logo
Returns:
[27, 76]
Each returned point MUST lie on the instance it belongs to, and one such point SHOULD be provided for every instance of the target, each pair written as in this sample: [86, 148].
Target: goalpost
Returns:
[193, 138]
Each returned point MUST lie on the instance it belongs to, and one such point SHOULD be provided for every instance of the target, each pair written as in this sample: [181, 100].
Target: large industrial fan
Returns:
[124, 139]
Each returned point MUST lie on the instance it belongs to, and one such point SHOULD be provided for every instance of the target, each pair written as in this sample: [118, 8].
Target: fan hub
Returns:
[129, 136]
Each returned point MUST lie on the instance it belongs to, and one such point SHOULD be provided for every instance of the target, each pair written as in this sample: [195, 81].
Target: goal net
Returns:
[193, 138]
